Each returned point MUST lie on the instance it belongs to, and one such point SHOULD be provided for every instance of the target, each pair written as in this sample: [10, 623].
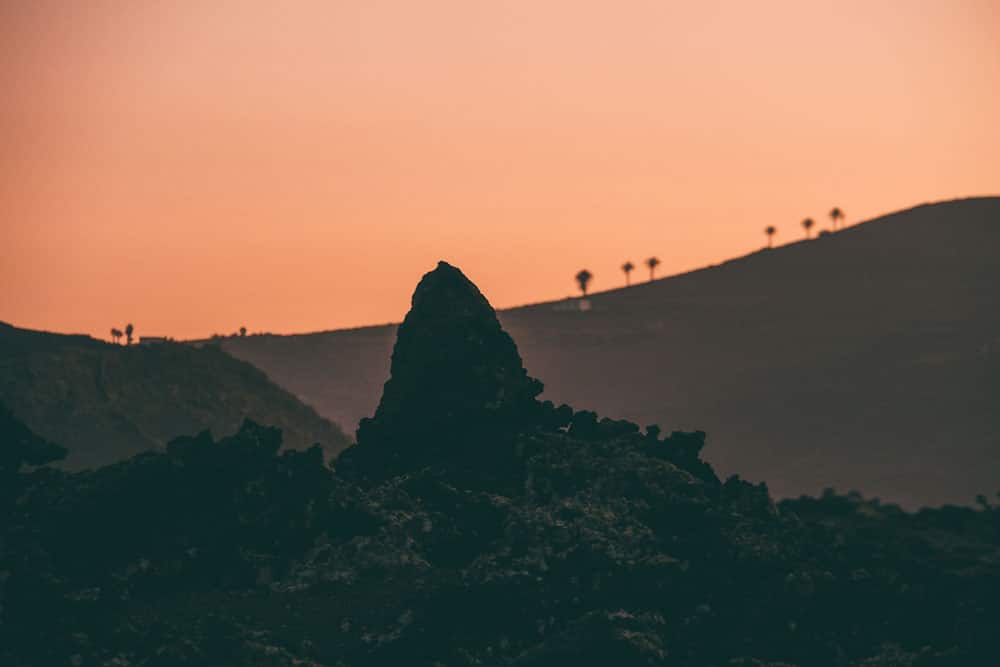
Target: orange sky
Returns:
[195, 166]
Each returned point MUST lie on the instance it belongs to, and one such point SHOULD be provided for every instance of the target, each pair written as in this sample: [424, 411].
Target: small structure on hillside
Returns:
[572, 305]
[153, 340]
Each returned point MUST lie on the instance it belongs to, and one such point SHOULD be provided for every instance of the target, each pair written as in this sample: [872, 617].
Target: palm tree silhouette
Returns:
[652, 263]
[836, 215]
[770, 230]
[583, 278]
[628, 267]
[115, 334]
[807, 224]
[128, 333]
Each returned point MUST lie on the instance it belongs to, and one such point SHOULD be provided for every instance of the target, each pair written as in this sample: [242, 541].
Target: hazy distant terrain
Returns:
[107, 402]
[472, 524]
[867, 359]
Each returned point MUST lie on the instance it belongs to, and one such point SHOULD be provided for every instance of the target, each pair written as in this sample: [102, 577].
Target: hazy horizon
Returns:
[195, 169]
[640, 275]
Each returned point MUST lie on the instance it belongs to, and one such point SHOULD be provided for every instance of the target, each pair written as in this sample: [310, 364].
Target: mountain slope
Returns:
[474, 525]
[107, 402]
[868, 359]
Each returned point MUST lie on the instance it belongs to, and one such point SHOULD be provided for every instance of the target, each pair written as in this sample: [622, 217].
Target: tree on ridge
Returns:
[128, 333]
[583, 279]
[628, 267]
[652, 263]
[807, 225]
[836, 215]
[770, 231]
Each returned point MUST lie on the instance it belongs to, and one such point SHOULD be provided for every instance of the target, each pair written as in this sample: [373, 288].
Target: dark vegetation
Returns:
[868, 359]
[652, 263]
[584, 277]
[116, 334]
[807, 225]
[627, 268]
[473, 524]
[107, 402]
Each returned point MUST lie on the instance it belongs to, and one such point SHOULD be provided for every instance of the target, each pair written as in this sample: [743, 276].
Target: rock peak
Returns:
[456, 379]
[443, 289]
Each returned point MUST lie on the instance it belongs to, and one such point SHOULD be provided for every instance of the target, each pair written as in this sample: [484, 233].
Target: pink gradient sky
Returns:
[195, 166]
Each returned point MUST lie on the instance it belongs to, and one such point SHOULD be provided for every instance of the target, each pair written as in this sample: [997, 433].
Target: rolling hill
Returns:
[472, 524]
[867, 359]
[107, 402]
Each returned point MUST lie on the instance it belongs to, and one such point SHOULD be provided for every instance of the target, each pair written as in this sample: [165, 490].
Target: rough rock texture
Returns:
[456, 381]
[868, 359]
[105, 403]
[551, 538]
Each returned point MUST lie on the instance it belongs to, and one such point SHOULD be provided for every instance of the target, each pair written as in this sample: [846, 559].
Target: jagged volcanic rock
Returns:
[516, 534]
[457, 380]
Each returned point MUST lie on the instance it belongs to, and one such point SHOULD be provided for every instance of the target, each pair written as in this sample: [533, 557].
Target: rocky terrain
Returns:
[105, 403]
[866, 359]
[473, 524]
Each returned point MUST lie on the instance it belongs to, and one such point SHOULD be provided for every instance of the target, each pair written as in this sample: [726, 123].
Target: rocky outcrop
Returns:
[491, 529]
[457, 382]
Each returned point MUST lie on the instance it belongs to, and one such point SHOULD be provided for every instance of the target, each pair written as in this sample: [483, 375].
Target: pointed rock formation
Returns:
[456, 382]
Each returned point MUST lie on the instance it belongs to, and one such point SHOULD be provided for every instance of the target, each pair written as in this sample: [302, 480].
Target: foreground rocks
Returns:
[525, 535]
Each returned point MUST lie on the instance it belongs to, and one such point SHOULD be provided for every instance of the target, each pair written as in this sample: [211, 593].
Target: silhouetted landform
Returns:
[454, 372]
[107, 402]
[22, 447]
[866, 359]
[529, 534]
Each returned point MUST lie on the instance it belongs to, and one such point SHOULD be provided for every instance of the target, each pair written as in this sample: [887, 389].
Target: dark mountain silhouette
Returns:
[107, 402]
[454, 372]
[867, 359]
[475, 525]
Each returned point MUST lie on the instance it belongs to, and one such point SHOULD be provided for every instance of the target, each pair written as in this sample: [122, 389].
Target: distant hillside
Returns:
[472, 525]
[867, 359]
[107, 402]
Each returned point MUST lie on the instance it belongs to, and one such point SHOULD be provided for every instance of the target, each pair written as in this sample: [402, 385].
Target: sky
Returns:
[193, 167]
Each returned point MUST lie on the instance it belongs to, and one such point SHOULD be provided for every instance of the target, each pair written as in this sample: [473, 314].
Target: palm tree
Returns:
[628, 267]
[115, 334]
[652, 263]
[807, 224]
[770, 231]
[836, 215]
[583, 278]
[128, 333]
